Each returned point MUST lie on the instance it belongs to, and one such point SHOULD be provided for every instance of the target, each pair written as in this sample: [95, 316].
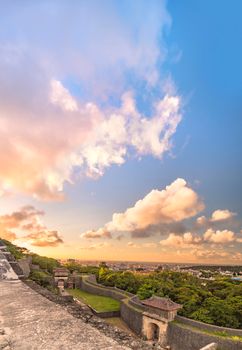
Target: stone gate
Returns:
[159, 312]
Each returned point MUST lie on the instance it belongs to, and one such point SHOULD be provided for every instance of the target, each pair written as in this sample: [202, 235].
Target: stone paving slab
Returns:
[28, 321]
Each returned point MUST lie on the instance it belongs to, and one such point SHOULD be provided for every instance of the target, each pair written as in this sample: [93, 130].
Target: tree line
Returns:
[217, 302]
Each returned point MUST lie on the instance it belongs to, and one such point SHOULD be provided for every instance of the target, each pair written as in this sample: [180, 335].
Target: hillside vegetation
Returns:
[216, 302]
[45, 264]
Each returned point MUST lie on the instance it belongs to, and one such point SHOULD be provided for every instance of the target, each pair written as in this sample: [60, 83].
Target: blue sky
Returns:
[66, 70]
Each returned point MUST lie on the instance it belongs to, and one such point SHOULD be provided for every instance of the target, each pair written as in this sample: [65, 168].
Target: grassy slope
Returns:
[99, 303]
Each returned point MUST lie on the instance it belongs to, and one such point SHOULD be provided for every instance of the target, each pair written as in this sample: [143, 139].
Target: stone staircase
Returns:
[9, 267]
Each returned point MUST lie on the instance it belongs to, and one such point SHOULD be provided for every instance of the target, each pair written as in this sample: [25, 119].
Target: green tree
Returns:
[41, 278]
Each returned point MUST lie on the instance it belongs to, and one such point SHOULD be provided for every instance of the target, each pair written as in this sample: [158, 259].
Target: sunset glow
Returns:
[120, 130]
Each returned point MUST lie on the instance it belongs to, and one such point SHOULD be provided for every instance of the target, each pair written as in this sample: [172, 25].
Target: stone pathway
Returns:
[28, 321]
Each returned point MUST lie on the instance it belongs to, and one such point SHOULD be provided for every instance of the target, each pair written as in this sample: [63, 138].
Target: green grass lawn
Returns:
[99, 303]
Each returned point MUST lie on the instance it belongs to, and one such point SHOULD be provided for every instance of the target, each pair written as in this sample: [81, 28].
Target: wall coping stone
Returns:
[212, 346]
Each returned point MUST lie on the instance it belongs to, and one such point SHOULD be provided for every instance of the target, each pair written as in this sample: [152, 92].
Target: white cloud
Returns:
[41, 147]
[187, 240]
[206, 245]
[173, 204]
[218, 236]
[47, 136]
[201, 220]
[101, 233]
[61, 96]
[221, 215]
[218, 216]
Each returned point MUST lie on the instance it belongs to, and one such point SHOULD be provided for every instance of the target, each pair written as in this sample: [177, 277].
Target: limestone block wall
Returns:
[98, 289]
[132, 317]
[135, 302]
[106, 314]
[183, 338]
[208, 327]
[25, 265]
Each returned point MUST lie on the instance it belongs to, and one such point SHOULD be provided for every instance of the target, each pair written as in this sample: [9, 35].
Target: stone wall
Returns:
[91, 279]
[24, 264]
[180, 337]
[98, 289]
[208, 327]
[105, 314]
[132, 317]
[135, 302]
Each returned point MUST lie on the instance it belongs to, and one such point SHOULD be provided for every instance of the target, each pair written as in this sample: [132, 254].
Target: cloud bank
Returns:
[175, 203]
[25, 226]
[68, 113]
[86, 138]
[164, 212]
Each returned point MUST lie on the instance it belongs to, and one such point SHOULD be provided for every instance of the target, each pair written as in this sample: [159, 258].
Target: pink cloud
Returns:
[47, 134]
[25, 225]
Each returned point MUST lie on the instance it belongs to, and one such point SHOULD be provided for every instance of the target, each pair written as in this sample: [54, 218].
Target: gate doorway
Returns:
[153, 332]
[61, 284]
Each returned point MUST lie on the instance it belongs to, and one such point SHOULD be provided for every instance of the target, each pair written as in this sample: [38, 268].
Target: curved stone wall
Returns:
[208, 327]
[130, 311]
[132, 316]
[185, 334]
[181, 337]
[91, 287]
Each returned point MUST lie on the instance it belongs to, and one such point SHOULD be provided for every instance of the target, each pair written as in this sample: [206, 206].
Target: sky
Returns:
[120, 129]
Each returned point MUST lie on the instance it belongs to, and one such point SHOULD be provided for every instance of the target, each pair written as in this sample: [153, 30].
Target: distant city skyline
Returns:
[120, 129]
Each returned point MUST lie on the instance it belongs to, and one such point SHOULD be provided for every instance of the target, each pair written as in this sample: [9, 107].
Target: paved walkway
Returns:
[31, 322]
